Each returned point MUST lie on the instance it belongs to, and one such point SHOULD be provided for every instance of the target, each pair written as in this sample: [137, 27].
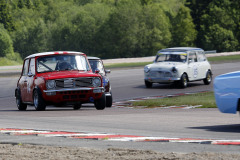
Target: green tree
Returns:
[29, 4]
[6, 45]
[220, 38]
[5, 16]
[118, 36]
[183, 29]
[20, 4]
[218, 29]
[32, 38]
[155, 30]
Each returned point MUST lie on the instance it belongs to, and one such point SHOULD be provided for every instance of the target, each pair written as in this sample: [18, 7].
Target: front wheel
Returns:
[148, 84]
[38, 101]
[109, 100]
[100, 104]
[183, 81]
[208, 78]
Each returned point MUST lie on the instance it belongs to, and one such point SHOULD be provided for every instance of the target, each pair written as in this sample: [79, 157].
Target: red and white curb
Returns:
[128, 103]
[112, 137]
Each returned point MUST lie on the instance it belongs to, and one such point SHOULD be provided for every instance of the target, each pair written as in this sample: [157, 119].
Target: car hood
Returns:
[68, 74]
[164, 65]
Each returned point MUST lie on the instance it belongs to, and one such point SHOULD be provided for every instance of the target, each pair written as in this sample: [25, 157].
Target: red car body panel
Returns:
[28, 83]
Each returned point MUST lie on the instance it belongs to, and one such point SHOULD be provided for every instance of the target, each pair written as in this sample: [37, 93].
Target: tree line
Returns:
[117, 28]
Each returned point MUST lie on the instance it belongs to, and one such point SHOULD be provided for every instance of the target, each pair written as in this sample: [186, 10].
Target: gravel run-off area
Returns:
[38, 152]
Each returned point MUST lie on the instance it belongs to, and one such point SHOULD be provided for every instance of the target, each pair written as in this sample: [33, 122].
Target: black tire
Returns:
[100, 104]
[109, 100]
[38, 101]
[183, 81]
[21, 106]
[208, 78]
[77, 106]
[148, 84]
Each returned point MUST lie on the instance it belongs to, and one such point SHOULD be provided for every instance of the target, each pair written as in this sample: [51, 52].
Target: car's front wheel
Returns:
[21, 106]
[148, 84]
[100, 104]
[38, 101]
[109, 100]
[183, 81]
[208, 78]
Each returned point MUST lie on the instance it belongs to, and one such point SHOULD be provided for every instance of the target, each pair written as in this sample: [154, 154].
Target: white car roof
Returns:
[92, 58]
[180, 49]
[53, 53]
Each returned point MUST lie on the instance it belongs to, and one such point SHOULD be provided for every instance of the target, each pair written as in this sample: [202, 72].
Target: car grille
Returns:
[158, 74]
[74, 82]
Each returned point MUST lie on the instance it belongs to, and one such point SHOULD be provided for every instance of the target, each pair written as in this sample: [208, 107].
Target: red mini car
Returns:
[59, 78]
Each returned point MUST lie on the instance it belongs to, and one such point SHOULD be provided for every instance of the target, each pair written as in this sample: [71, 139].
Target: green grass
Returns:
[224, 58]
[6, 62]
[206, 99]
[141, 64]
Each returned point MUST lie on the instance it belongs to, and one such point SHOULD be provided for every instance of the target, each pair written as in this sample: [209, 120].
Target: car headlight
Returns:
[50, 84]
[174, 69]
[146, 69]
[96, 82]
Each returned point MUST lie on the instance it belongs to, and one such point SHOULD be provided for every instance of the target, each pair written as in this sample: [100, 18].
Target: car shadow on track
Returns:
[234, 128]
[170, 86]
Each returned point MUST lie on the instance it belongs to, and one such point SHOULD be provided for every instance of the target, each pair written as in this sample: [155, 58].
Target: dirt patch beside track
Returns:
[27, 151]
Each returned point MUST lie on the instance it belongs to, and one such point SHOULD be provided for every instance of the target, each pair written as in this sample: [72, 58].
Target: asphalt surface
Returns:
[126, 84]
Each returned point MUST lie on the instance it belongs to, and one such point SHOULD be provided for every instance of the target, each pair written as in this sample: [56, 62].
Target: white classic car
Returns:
[178, 65]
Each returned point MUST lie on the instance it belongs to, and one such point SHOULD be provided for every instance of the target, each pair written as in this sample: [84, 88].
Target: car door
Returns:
[203, 64]
[22, 84]
[30, 80]
[193, 68]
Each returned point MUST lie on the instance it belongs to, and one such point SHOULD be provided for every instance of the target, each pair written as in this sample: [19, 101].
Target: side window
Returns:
[25, 67]
[201, 56]
[100, 67]
[192, 57]
[32, 67]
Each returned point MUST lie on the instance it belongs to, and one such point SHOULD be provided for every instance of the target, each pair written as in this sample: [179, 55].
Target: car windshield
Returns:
[171, 57]
[97, 64]
[61, 63]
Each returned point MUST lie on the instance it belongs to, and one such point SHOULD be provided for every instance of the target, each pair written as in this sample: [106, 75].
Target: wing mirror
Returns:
[108, 71]
[30, 75]
[97, 71]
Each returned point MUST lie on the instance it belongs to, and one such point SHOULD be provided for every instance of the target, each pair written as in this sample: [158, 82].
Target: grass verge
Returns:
[224, 58]
[205, 99]
[6, 62]
[142, 64]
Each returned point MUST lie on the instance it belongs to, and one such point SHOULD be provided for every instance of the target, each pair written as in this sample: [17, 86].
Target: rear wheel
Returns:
[77, 106]
[208, 78]
[183, 81]
[148, 84]
[21, 106]
[38, 101]
[100, 104]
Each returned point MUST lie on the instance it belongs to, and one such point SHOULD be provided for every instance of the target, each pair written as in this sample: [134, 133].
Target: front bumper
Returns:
[83, 95]
[100, 89]
[162, 80]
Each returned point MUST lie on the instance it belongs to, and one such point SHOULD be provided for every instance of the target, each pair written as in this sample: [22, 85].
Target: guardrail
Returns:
[209, 52]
